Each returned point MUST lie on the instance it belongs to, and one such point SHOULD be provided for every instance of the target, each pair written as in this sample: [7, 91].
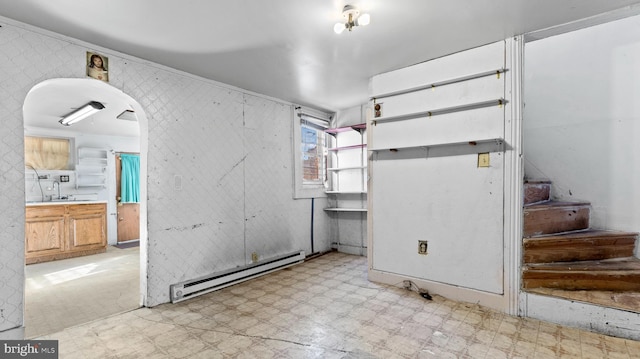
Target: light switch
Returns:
[483, 159]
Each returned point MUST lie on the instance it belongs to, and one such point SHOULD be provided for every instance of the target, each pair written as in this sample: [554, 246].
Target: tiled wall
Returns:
[232, 149]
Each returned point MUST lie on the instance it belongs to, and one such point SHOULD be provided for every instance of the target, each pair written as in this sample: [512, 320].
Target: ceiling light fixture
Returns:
[128, 115]
[353, 17]
[82, 113]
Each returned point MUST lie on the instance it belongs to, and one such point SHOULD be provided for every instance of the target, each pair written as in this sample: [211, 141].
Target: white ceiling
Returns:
[287, 48]
[50, 100]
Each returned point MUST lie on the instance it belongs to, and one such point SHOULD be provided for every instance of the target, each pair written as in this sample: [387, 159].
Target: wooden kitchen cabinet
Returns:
[44, 231]
[64, 230]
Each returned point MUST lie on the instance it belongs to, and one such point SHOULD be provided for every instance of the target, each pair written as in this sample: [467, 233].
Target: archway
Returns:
[43, 107]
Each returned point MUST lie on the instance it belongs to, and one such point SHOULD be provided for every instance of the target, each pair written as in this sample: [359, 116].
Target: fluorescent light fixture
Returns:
[82, 113]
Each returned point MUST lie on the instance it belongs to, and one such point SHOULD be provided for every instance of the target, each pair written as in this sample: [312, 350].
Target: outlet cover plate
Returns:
[422, 247]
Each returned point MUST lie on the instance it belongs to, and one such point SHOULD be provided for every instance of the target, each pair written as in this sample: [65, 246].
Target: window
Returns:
[46, 153]
[312, 148]
[310, 153]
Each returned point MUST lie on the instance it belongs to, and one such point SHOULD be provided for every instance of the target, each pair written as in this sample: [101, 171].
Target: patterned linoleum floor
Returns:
[326, 308]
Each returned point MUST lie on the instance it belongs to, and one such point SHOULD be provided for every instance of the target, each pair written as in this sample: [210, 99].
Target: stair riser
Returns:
[555, 220]
[578, 250]
[582, 281]
[536, 192]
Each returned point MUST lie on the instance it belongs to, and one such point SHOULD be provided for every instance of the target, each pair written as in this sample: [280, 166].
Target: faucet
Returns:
[54, 186]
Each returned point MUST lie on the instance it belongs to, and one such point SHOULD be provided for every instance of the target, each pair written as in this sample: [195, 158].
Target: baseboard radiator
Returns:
[191, 288]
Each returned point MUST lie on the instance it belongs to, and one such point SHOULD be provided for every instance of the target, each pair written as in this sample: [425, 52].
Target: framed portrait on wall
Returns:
[97, 66]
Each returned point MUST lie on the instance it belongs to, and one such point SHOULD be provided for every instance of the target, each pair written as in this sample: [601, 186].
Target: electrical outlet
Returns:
[422, 247]
[254, 257]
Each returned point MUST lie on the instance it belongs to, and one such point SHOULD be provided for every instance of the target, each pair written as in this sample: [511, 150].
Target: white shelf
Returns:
[499, 142]
[91, 167]
[345, 192]
[351, 147]
[359, 127]
[335, 209]
[347, 163]
[346, 168]
[90, 155]
[434, 85]
[441, 111]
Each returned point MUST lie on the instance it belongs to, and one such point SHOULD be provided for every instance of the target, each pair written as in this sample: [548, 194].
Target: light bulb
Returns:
[338, 28]
[364, 20]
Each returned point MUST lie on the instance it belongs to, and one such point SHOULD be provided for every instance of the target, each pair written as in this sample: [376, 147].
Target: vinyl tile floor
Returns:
[326, 308]
[64, 293]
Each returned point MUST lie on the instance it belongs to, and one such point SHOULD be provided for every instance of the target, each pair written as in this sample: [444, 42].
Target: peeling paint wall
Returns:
[230, 150]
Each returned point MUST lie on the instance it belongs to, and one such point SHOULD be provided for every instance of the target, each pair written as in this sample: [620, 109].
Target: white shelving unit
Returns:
[91, 167]
[347, 172]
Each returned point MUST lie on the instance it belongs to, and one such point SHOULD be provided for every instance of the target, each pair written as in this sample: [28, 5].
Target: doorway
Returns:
[128, 210]
[63, 293]
[579, 132]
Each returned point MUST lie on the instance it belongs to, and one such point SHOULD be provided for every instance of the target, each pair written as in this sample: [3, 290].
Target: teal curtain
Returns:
[130, 178]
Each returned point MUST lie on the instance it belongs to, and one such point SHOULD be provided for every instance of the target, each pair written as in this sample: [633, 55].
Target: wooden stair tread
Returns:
[605, 265]
[537, 181]
[579, 246]
[587, 233]
[619, 274]
[563, 256]
[553, 204]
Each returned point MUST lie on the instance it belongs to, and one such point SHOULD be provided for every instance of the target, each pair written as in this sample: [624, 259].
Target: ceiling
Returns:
[287, 48]
[49, 100]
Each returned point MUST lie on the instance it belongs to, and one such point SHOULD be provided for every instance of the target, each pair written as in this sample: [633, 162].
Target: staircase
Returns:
[564, 257]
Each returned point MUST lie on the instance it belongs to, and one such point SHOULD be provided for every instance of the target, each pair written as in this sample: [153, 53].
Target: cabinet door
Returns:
[44, 236]
[87, 232]
[87, 227]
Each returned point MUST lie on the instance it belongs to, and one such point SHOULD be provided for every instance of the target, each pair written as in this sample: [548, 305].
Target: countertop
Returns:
[52, 203]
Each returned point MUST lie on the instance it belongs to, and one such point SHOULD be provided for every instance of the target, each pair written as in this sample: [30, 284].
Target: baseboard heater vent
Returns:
[191, 288]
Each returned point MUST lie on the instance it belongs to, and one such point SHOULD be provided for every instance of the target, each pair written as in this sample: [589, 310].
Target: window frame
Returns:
[318, 121]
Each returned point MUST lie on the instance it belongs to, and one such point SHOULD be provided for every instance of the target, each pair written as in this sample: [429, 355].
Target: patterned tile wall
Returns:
[25, 60]
[232, 151]
[273, 227]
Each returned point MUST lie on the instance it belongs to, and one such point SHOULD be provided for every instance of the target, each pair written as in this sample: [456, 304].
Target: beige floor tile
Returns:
[326, 308]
